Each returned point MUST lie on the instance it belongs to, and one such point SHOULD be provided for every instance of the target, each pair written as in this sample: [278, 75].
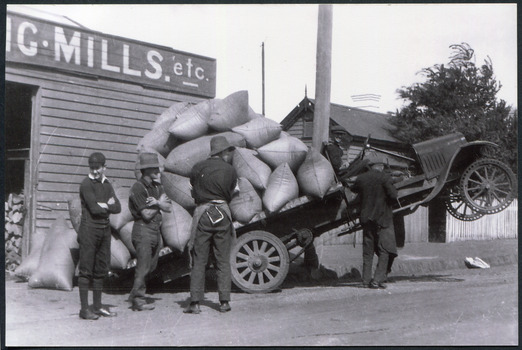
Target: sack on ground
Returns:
[175, 227]
[282, 187]
[58, 258]
[259, 132]
[247, 203]
[288, 150]
[125, 235]
[192, 123]
[316, 175]
[75, 212]
[178, 189]
[247, 165]
[120, 255]
[230, 112]
[182, 158]
[30, 263]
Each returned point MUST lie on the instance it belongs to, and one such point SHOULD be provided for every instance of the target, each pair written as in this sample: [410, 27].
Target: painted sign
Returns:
[41, 43]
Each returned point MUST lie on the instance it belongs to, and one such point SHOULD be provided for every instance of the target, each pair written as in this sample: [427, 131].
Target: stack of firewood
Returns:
[14, 219]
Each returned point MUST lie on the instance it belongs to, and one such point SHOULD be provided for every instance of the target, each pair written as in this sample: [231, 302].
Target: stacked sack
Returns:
[273, 167]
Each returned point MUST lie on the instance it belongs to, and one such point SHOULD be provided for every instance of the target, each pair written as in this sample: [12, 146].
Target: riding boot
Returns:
[97, 287]
[83, 286]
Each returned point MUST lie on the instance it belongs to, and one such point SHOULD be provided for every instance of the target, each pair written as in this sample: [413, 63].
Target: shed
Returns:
[71, 91]
[360, 123]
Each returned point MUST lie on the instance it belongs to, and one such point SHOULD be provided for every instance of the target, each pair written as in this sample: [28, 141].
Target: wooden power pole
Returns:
[323, 77]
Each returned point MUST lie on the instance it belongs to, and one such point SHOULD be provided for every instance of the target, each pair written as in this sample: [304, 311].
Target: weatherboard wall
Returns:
[92, 92]
[77, 116]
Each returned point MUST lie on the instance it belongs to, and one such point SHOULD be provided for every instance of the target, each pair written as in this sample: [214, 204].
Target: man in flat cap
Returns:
[147, 200]
[377, 194]
[98, 201]
[213, 185]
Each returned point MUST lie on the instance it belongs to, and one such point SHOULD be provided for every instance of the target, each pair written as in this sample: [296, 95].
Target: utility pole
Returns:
[263, 74]
[323, 77]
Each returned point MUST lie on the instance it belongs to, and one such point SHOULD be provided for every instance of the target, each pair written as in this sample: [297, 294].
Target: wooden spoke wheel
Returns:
[458, 207]
[488, 186]
[259, 262]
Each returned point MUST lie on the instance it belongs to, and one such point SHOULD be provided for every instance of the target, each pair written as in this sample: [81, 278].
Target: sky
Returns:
[376, 49]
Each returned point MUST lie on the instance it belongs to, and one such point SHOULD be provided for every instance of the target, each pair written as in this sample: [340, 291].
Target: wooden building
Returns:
[359, 123]
[71, 91]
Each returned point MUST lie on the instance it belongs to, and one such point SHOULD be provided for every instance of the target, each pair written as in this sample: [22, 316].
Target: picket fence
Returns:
[497, 226]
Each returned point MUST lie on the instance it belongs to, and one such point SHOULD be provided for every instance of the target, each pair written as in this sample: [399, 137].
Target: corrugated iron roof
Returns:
[39, 13]
[358, 122]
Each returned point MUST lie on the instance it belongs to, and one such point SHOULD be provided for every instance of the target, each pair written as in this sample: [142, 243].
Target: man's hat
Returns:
[148, 160]
[97, 160]
[219, 144]
[374, 158]
[337, 129]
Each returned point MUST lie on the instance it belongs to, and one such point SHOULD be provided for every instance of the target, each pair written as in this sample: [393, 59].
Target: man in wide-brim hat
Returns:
[147, 200]
[376, 192]
[213, 185]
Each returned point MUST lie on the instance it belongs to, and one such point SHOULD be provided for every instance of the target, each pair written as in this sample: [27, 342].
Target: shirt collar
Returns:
[103, 179]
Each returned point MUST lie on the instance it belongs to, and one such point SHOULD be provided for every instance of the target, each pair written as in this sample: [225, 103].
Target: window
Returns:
[308, 129]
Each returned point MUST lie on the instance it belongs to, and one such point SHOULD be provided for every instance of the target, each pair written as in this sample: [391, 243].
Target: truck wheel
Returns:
[259, 262]
[458, 207]
[488, 186]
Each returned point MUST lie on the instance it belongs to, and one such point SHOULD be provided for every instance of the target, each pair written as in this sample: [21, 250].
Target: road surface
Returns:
[459, 307]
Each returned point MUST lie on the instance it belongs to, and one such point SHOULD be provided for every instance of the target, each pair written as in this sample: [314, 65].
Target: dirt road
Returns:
[460, 307]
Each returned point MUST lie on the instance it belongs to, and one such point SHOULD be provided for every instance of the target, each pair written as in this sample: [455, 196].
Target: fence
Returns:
[496, 226]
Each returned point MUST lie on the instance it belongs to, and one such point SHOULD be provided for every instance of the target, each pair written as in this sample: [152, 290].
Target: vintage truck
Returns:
[448, 167]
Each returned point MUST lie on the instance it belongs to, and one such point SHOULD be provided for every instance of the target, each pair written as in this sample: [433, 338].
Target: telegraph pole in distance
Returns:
[263, 74]
[323, 77]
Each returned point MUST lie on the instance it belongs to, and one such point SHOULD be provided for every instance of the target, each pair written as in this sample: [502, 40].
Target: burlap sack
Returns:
[282, 187]
[253, 115]
[159, 138]
[58, 258]
[178, 189]
[170, 115]
[75, 211]
[30, 263]
[247, 203]
[120, 255]
[230, 112]
[259, 132]
[125, 235]
[316, 175]
[175, 227]
[182, 158]
[117, 221]
[288, 150]
[247, 165]
[192, 123]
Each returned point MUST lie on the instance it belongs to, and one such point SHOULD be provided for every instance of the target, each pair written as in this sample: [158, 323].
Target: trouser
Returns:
[380, 241]
[95, 254]
[220, 237]
[146, 241]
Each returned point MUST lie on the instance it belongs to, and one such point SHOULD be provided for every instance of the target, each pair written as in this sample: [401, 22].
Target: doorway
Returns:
[19, 101]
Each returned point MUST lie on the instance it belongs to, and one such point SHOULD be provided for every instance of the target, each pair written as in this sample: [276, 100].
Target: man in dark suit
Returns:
[377, 194]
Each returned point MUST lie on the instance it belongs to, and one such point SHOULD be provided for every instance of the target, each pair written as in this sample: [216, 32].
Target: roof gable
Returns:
[358, 122]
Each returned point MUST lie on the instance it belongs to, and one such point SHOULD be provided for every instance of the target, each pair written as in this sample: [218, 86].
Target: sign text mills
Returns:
[41, 43]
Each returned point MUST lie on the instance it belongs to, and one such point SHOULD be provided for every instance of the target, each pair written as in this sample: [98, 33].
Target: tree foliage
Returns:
[459, 97]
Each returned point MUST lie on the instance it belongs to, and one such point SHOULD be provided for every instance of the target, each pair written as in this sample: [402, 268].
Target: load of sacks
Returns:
[273, 168]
